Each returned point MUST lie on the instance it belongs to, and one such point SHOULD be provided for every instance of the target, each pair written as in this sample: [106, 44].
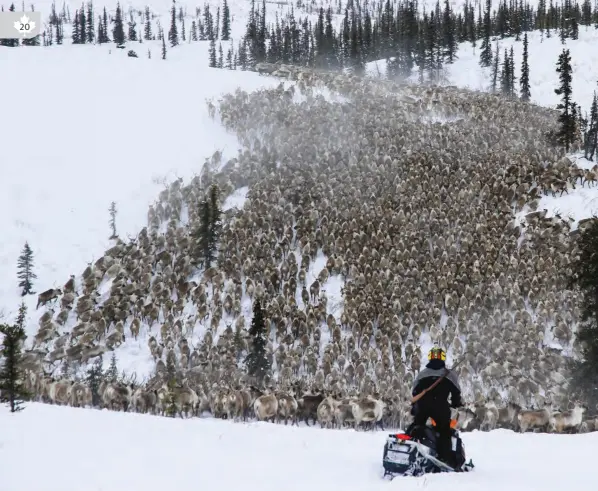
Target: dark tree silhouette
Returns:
[524, 79]
[566, 132]
[12, 387]
[256, 361]
[25, 270]
[585, 279]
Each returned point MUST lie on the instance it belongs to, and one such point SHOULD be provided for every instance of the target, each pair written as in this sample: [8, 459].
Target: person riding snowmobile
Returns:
[434, 404]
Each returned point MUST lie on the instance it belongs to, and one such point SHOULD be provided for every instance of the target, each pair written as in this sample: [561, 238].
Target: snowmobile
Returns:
[414, 453]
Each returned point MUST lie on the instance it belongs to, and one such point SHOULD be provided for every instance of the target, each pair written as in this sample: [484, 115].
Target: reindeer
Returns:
[44, 297]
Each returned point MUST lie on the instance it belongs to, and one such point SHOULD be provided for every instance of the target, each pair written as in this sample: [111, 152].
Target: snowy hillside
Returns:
[123, 129]
[130, 452]
[69, 169]
[543, 55]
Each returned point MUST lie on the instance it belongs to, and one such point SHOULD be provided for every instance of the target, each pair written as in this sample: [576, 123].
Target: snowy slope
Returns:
[40, 450]
[543, 55]
[87, 128]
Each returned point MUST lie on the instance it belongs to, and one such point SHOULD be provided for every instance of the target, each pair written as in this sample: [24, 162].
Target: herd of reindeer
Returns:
[416, 218]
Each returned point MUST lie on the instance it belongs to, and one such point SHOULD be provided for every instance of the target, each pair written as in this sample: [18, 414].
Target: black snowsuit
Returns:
[434, 404]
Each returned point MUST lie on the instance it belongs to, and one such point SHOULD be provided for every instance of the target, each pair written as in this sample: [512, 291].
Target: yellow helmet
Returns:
[437, 354]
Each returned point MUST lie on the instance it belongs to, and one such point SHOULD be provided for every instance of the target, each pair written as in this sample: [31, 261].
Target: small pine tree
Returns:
[147, 30]
[170, 403]
[215, 227]
[495, 69]
[90, 28]
[505, 76]
[512, 77]
[566, 132]
[112, 372]
[105, 26]
[132, 29]
[213, 63]
[524, 79]
[22, 316]
[173, 34]
[12, 387]
[220, 56]
[229, 58]
[76, 32]
[591, 133]
[94, 377]
[486, 48]
[112, 211]
[202, 234]
[256, 361]
[225, 22]
[163, 46]
[25, 271]
[118, 32]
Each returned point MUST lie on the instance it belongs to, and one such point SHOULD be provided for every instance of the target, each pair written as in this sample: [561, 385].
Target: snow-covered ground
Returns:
[50, 448]
[577, 204]
[87, 128]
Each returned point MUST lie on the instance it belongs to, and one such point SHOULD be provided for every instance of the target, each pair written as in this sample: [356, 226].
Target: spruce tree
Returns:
[486, 49]
[505, 76]
[193, 30]
[25, 270]
[449, 34]
[585, 279]
[512, 77]
[220, 56]
[173, 34]
[591, 134]
[225, 22]
[76, 32]
[163, 46]
[204, 250]
[495, 69]
[566, 132]
[94, 377]
[132, 29]
[90, 28]
[215, 229]
[112, 211]
[213, 62]
[256, 361]
[229, 58]
[170, 407]
[82, 26]
[118, 32]
[147, 29]
[105, 26]
[112, 372]
[59, 33]
[12, 386]
[524, 79]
